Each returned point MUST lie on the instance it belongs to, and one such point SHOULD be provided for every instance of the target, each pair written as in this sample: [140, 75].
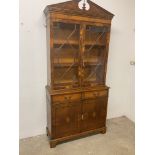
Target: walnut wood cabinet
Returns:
[77, 53]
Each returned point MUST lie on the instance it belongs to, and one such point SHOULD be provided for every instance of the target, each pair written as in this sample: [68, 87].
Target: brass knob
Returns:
[96, 94]
[94, 114]
[67, 97]
[82, 117]
[67, 119]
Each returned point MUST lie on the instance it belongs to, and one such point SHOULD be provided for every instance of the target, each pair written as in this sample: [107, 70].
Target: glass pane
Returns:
[64, 33]
[66, 51]
[95, 35]
[94, 55]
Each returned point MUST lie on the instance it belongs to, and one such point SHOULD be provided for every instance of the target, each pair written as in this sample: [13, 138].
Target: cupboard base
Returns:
[54, 142]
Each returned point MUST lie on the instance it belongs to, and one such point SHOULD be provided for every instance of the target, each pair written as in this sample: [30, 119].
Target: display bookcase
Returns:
[77, 53]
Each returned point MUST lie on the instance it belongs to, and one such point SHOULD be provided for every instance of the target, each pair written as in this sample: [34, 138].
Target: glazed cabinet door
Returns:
[94, 113]
[66, 119]
[65, 54]
[95, 55]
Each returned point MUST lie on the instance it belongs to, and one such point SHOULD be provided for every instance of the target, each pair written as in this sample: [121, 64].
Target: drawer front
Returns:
[95, 94]
[67, 98]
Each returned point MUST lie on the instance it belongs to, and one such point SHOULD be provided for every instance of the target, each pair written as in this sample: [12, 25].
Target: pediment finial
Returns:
[84, 5]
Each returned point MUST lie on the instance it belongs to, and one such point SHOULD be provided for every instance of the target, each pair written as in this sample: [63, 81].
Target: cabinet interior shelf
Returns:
[65, 65]
[75, 65]
[75, 42]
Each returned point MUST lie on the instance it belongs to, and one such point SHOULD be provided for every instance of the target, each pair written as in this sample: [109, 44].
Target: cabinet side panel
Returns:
[48, 50]
[107, 106]
[49, 110]
[107, 52]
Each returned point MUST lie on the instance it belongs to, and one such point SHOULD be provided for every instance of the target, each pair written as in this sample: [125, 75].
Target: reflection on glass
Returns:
[94, 55]
[66, 49]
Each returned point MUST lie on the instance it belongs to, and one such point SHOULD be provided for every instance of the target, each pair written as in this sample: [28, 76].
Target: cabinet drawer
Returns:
[94, 94]
[64, 98]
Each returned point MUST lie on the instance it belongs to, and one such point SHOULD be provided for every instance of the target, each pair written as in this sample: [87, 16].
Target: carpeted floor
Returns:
[119, 140]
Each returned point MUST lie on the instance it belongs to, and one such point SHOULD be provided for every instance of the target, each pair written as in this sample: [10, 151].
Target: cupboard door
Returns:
[95, 55]
[65, 55]
[66, 116]
[94, 113]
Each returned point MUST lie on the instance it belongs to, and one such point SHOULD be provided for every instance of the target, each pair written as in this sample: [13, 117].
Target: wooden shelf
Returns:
[60, 42]
[65, 60]
[93, 43]
[93, 60]
[65, 84]
[75, 42]
[92, 64]
[65, 65]
[75, 65]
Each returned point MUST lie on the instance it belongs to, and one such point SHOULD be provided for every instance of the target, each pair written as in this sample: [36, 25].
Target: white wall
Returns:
[33, 63]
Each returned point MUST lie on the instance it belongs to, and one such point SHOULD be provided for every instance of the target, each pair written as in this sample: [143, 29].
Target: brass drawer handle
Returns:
[82, 117]
[96, 94]
[94, 114]
[67, 98]
[67, 119]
